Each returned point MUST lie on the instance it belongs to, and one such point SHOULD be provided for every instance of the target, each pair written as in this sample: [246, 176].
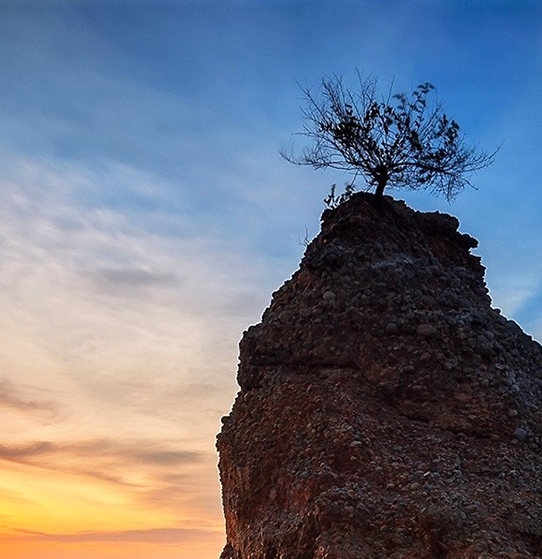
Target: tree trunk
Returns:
[381, 185]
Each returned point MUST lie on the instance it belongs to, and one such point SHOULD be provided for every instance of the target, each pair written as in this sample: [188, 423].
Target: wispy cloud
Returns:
[10, 397]
[156, 536]
[154, 473]
[133, 316]
[82, 280]
[126, 322]
[79, 456]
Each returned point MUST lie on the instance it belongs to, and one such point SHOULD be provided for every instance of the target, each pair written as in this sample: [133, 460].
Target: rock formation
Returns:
[386, 411]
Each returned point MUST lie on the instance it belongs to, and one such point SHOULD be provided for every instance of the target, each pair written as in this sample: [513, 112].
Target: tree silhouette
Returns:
[400, 141]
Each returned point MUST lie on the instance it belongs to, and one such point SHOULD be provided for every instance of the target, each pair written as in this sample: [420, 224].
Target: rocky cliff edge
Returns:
[386, 410]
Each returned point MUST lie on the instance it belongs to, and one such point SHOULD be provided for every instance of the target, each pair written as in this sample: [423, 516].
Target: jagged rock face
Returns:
[386, 410]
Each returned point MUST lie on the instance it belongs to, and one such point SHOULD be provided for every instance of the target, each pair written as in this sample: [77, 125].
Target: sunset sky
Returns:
[146, 216]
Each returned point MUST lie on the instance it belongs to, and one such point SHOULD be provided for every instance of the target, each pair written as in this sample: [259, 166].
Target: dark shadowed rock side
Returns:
[386, 410]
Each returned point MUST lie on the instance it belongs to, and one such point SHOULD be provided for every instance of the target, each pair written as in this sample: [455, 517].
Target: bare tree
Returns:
[400, 141]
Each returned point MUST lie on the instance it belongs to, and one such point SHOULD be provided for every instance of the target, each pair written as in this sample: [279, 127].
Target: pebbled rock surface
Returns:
[386, 410]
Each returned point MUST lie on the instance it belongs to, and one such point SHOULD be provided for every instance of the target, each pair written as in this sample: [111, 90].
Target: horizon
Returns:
[147, 216]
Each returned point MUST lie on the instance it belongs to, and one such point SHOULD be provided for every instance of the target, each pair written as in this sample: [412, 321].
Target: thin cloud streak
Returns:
[61, 456]
[132, 449]
[156, 536]
[10, 397]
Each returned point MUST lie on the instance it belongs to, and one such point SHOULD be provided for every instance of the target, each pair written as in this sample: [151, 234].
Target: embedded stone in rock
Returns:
[426, 330]
[399, 418]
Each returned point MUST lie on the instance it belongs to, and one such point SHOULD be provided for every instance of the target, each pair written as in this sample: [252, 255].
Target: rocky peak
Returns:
[386, 410]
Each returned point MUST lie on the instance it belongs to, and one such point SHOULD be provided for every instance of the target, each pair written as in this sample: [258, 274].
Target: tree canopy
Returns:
[398, 141]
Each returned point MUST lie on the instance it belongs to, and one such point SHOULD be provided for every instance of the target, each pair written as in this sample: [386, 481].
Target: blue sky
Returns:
[146, 214]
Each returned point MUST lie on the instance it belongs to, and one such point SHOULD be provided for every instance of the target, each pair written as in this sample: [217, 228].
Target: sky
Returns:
[146, 216]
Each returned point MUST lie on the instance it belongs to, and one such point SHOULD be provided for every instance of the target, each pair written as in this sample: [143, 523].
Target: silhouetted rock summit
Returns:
[386, 410]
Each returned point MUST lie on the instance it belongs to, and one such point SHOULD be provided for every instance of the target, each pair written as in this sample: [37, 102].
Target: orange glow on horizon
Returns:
[15, 549]
[39, 500]
[45, 514]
